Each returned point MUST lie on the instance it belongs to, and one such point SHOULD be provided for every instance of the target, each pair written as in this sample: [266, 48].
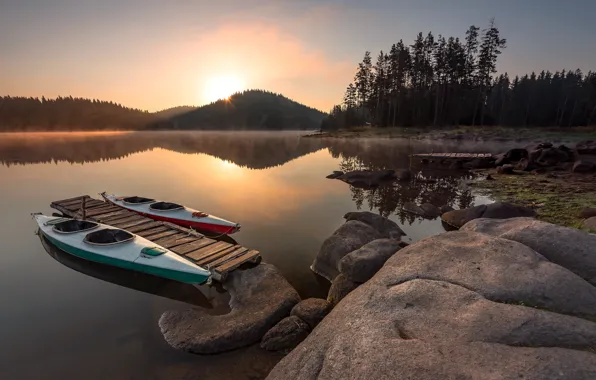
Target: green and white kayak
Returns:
[112, 246]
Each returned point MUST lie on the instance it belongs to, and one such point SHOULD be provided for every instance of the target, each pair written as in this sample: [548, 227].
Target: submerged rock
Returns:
[568, 247]
[260, 297]
[287, 334]
[498, 210]
[425, 210]
[335, 174]
[312, 311]
[360, 265]
[422, 319]
[340, 287]
[350, 236]
[367, 178]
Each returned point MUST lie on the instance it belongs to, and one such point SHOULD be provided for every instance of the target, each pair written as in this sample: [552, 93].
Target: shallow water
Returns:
[66, 318]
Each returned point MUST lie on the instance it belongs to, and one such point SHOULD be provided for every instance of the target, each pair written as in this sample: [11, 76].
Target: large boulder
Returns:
[552, 156]
[498, 210]
[586, 147]
[367, 178]
[287, 334]
[260, 297]
[386, 227]
[312, 311]
[360, 265]
[568, 247]
[583, 166]
[340, 287]
[429, 326]
[350, 236]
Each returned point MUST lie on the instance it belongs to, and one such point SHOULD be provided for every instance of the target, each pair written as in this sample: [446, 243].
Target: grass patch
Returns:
[557, 200]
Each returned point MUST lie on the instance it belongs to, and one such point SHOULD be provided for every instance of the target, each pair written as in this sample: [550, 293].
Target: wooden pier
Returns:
[462, 156]
[217, 256]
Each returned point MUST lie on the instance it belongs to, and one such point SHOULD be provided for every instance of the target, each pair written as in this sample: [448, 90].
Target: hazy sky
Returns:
[154, 54]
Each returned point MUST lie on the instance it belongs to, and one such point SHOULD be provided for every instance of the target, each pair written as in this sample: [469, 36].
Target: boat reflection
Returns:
[214, 299]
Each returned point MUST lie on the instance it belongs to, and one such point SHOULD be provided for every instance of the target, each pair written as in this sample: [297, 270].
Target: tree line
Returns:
[68, 113]
[439, 81]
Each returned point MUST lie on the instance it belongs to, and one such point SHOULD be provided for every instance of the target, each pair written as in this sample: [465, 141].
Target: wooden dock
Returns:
[217, 256]
[463, 156]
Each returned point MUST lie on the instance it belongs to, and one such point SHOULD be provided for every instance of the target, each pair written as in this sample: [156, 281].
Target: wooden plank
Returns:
[92, 203]
[70, 200]
[189, 247]
[185, 230]
[160, 235]
[223, 256]
[134, 223]
[76, 203]
[107, 215]
[152, 231]
[174, 240]
[100, 210]
[122, 219]
[143, 226]
[233, 264]
[208, 251]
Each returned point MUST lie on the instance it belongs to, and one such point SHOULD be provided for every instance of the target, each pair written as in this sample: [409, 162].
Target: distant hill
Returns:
[249, 110]
[174, 111]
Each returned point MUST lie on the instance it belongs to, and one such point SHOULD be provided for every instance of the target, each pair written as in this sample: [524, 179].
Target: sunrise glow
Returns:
[221, 87]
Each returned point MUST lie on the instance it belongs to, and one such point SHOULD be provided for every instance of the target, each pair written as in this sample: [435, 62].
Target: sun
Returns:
[221, 87]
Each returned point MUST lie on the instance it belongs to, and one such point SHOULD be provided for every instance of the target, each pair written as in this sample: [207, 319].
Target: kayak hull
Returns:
[184, 217]
[180, 269]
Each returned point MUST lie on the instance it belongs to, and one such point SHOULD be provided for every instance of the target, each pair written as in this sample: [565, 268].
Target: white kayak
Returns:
[173, 213]
[112, 246]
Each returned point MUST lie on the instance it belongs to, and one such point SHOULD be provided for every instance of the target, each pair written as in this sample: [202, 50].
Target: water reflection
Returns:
[255, 150]
[213, 299]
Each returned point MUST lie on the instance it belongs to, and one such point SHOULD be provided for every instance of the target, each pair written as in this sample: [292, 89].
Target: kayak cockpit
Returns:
[108, 236]
[71, 226]
[137, 200]
[165, 206]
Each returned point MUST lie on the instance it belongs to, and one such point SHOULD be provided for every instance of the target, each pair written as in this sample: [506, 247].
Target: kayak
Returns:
[173, 213]
[113, 246]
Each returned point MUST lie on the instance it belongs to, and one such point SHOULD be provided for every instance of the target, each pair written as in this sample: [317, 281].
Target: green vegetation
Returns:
[451, 81]
[250, 110]
[557, 200]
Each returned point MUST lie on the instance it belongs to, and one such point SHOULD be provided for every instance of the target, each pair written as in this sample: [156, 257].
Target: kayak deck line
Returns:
[219, 257]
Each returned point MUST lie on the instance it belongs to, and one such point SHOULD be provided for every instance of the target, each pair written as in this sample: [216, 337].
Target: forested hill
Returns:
[441, 80]
[249, 110]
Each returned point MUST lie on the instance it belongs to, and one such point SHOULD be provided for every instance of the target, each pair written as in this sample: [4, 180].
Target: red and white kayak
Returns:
[173, 213]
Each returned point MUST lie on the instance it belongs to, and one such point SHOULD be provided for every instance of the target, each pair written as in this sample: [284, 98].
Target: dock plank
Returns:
[174, 240]
[208, 251]
[159, 235]
[151, 231]
[143, 226]
[99, 210]
[222, 256]
[62, 202]
[233, 264]
[189, 247]
[128, 225]
[110, 214]
[122, 219]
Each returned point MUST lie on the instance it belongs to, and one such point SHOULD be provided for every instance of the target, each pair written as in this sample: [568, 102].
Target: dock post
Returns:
[83, 208]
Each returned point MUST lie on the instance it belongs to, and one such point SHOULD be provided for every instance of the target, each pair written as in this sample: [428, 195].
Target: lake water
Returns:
[64, 318]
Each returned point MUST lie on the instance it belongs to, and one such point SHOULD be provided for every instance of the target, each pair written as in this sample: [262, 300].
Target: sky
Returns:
[156, 54]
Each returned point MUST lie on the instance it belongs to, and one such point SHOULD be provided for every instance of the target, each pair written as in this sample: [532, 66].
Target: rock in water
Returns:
[287, 334]
[445, 208]
[367, 178]
[498, 210]
[430, 210]
[586, 147]
[413, 208]
[312, 311]
[350, 236]
[340, 287]
[386, 227]
[260, 297]
[335, 174]
[428, 328]
[360, 265]
[403, 175]
[583, 166]
[568, 247]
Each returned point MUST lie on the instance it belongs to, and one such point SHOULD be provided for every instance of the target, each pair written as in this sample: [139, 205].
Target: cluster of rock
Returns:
[501, 298]
[371, 178]
[545, 156]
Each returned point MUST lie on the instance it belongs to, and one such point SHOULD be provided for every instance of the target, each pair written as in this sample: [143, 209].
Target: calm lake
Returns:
[64, 318]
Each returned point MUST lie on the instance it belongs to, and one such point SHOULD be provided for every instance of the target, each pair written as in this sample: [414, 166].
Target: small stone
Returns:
[587, 212]
[340, 288]
[586, 147]
[287, 334]
[590, 224]
[505, 169]
[312, 311]
[489, 177]
[582, 166]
